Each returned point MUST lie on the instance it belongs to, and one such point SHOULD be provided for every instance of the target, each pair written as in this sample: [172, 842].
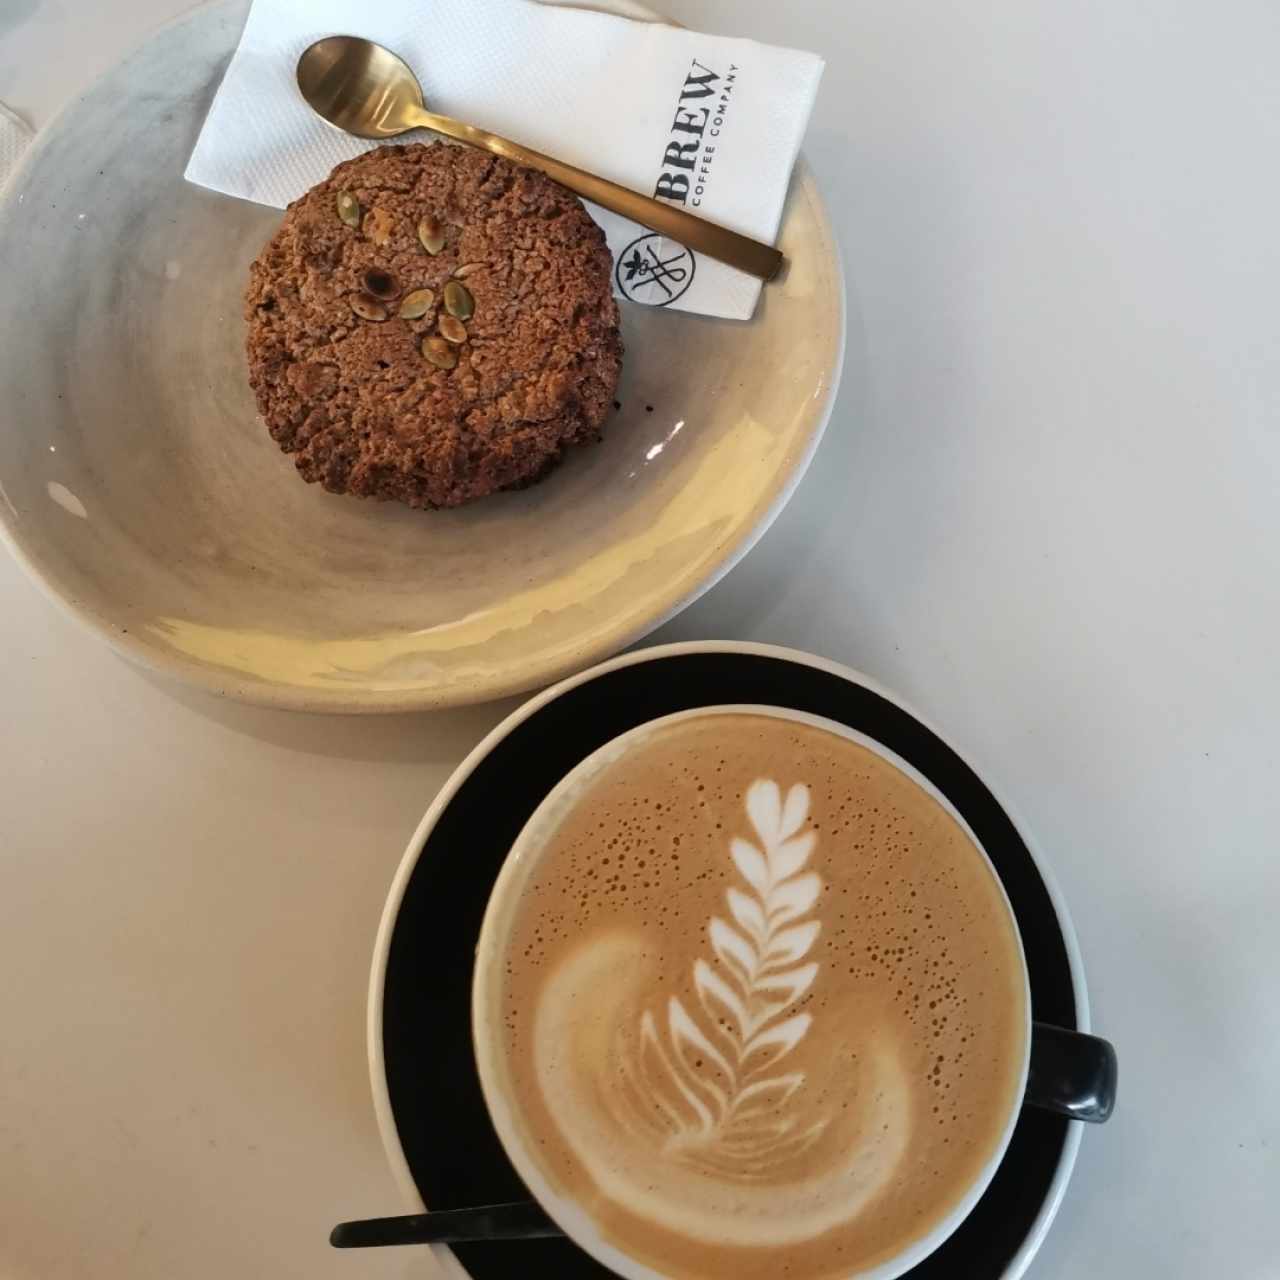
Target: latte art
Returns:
[709, 1083]
[762, 1004]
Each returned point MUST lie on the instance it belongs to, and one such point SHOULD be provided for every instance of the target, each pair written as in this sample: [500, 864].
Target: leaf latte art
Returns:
[712, 1079]
[760, 1006]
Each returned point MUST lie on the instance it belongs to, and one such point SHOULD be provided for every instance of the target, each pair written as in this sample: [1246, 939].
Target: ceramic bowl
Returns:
[138, 485]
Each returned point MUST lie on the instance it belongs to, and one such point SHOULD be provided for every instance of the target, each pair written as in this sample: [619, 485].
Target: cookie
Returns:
[432, 324]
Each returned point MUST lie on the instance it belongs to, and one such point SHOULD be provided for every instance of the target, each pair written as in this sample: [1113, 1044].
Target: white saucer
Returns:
[427, 1095]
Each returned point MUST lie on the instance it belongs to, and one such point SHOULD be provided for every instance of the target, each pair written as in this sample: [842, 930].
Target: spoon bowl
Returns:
[360, 87]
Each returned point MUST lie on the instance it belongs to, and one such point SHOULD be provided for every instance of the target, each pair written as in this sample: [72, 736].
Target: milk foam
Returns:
[641, 1151]
[763, 1003]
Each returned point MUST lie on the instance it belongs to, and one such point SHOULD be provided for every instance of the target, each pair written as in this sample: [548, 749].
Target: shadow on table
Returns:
[13, 13]
[435, 737]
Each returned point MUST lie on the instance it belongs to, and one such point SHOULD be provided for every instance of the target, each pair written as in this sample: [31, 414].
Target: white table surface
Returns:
[1047, 511]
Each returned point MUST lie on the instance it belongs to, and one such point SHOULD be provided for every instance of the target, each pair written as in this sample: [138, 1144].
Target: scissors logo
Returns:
[654, 270]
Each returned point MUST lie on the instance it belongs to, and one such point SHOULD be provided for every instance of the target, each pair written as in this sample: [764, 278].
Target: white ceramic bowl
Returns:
[139, 487]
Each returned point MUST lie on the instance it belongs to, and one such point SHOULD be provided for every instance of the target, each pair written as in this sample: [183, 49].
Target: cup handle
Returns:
[1071, 1073]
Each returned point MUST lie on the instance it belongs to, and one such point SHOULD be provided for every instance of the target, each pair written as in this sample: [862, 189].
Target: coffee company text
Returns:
[691, 150]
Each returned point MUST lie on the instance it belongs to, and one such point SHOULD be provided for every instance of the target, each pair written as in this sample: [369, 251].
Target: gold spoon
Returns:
[365, 89]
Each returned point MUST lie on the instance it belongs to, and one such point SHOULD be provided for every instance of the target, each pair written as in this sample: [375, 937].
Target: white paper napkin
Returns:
[14, 136]
[713, 123]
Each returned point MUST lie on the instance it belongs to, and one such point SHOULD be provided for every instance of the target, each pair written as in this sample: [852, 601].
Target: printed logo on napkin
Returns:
[711, 124]
[655, 270]
[658, 271]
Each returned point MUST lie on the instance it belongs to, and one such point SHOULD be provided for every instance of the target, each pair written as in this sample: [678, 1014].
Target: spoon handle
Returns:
[521, 1220]
[761, 260]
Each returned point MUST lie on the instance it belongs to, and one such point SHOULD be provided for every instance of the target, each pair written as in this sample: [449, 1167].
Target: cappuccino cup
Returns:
[750, 1001]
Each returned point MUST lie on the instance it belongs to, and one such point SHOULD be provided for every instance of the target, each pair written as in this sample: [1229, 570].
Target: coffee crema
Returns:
[761, 1004]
